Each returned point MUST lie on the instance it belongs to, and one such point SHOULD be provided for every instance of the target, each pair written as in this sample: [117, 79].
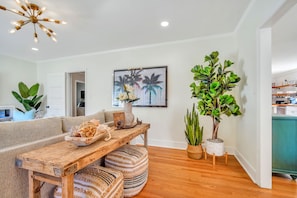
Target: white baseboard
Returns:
[174, 144]
[161, 143]
[250, 170]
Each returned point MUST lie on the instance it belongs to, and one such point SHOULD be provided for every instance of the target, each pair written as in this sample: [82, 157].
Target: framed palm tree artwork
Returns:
[145, 87]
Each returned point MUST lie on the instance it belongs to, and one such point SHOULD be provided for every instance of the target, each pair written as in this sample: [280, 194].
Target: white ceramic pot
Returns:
[215, 147]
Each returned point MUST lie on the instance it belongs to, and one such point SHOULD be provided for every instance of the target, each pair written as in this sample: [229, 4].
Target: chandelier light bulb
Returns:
[14, 23]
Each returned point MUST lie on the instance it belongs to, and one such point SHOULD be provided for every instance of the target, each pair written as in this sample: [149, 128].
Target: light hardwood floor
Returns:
[173, 175]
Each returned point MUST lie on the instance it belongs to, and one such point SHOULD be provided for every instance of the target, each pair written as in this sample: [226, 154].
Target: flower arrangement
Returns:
[128, 95]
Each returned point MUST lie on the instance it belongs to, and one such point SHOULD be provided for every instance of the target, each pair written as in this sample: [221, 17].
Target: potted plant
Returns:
[210, 87]
[28, 96]
[193, 133]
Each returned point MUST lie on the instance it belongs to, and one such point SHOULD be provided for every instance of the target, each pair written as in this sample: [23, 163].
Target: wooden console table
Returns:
[57, 163]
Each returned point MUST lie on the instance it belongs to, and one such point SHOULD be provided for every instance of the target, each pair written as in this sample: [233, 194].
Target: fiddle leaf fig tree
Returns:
[210, 87]
[28, 96]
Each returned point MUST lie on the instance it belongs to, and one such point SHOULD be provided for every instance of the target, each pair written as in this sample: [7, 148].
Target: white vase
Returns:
[129, 117]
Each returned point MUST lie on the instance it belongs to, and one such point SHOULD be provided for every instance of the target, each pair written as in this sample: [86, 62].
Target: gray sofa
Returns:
[20, 137]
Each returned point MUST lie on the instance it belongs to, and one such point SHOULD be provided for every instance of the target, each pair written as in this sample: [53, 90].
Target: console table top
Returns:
[65, 158]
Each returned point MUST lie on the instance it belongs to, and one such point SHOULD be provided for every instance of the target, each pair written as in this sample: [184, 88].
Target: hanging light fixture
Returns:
[32, 14]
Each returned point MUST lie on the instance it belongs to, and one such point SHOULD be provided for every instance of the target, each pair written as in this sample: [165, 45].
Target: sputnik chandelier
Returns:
[32, 13]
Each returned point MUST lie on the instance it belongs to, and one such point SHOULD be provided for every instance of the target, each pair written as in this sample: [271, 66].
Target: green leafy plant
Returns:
[28, 96]
[193, 131]
[211, 82]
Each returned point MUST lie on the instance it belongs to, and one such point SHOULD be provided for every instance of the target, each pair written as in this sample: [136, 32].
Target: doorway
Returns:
[264, 161]
[76, 93]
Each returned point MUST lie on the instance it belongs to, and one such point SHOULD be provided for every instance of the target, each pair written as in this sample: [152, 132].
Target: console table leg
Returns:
[33, 186]
[68, 186]
[145, 139]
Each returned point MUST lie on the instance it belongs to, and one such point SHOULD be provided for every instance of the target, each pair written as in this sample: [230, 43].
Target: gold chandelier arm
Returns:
[26, 9]
[48, 31]
[18, 25]
[52, 20]
[28, 5]
[35, 34]
[26, 22]
[2, 7]
[21, 23]
[17, 12]
[13, 11]
[40, 11]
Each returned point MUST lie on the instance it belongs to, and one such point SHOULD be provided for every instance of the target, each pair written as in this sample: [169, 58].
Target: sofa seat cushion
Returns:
[96, 181]
[70, 122]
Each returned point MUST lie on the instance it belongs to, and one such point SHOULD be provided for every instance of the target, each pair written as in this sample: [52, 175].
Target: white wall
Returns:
[12, 71]
[253, 141]
[167, 126]
[290, 76]
[242, 133]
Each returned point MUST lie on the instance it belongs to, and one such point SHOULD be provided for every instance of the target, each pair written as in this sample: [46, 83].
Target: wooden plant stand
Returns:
[214, 157]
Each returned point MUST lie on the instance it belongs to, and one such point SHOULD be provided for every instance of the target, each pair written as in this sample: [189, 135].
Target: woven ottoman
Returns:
[96, 182]
[132, 161]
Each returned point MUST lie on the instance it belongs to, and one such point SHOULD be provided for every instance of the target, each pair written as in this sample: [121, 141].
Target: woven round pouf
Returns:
[96, 181]
[132, 161]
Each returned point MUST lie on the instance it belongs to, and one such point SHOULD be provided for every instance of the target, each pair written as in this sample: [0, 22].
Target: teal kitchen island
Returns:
[284, 145]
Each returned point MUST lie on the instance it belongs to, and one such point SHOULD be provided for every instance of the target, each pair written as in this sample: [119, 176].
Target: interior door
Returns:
[56, 100]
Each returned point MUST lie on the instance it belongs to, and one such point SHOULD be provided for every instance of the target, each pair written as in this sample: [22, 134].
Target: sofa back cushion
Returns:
[14, 133]
[70, 122]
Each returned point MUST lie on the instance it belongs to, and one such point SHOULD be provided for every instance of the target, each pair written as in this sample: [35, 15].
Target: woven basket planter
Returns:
[194, 152]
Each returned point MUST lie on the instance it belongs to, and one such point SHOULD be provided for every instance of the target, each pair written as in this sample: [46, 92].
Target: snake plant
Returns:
[193, 131]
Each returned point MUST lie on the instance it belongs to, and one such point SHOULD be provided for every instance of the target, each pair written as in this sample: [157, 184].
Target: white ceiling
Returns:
[284, 42]
[102, 25]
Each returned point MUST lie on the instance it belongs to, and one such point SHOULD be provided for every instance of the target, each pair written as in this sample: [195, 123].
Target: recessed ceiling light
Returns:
[35, 49]
[164, 23]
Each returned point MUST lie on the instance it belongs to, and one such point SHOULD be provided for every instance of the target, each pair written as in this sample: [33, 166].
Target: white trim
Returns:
[264, 77]
[246, 166]
[264, 128]
[140, 47]
[174, 144]
[244, 16]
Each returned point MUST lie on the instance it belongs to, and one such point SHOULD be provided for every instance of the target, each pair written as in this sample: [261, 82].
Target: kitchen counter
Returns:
[284, 105]
[284, 109]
